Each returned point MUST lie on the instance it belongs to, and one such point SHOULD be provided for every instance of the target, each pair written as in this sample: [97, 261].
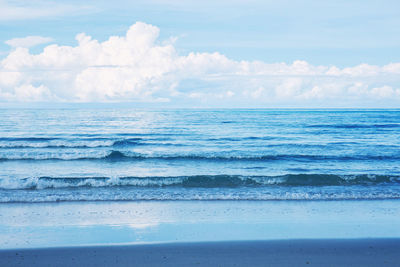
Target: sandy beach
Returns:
[316, 252]
[208, 233]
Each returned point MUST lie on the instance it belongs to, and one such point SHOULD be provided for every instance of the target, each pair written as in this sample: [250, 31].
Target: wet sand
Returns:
[194, 233]
[307, 252]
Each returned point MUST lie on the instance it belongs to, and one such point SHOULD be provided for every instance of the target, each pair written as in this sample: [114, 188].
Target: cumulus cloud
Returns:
[28, 41]
[138, 67]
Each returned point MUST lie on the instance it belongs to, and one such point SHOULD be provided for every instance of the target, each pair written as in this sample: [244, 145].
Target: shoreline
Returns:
[50, 202]
[69, 224]
[292, 252]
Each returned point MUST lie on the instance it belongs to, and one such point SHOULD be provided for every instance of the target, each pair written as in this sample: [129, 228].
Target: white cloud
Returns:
[28, 41]
[290, 87]
[138, 67]
[385, 92]
[21, 10]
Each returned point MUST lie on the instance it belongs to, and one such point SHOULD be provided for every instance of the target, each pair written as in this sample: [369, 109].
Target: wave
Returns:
[39, 142]
[200, 181]
[99, 142]
[144, 195]
[28, 139]
[355, 126]
[127, 142]
[57, 146]
[116, 155]
[59, 143]
[237, 139]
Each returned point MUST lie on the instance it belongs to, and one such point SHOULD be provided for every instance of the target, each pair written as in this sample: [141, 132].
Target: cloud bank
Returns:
[138, 67]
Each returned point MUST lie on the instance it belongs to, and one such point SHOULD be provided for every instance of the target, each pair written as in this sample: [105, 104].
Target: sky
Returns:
[170, 53]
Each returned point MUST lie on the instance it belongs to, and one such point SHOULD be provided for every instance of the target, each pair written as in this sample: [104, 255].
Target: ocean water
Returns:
[51, 155]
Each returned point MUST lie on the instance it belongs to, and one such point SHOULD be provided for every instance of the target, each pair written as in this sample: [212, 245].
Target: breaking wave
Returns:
[117, 155]
[200, 181]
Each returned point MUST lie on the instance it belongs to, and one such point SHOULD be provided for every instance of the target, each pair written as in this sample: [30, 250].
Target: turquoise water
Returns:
[129, 154]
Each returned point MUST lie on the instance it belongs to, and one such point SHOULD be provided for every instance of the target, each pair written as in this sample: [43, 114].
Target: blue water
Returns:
[129, 154]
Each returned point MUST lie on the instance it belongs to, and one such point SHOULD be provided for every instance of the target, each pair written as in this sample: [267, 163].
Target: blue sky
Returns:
[341, 34]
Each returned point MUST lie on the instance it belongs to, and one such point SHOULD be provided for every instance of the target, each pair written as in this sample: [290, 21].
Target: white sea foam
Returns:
[200, 181]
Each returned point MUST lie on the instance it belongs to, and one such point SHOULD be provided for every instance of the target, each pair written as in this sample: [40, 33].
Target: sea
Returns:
[123, 154]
